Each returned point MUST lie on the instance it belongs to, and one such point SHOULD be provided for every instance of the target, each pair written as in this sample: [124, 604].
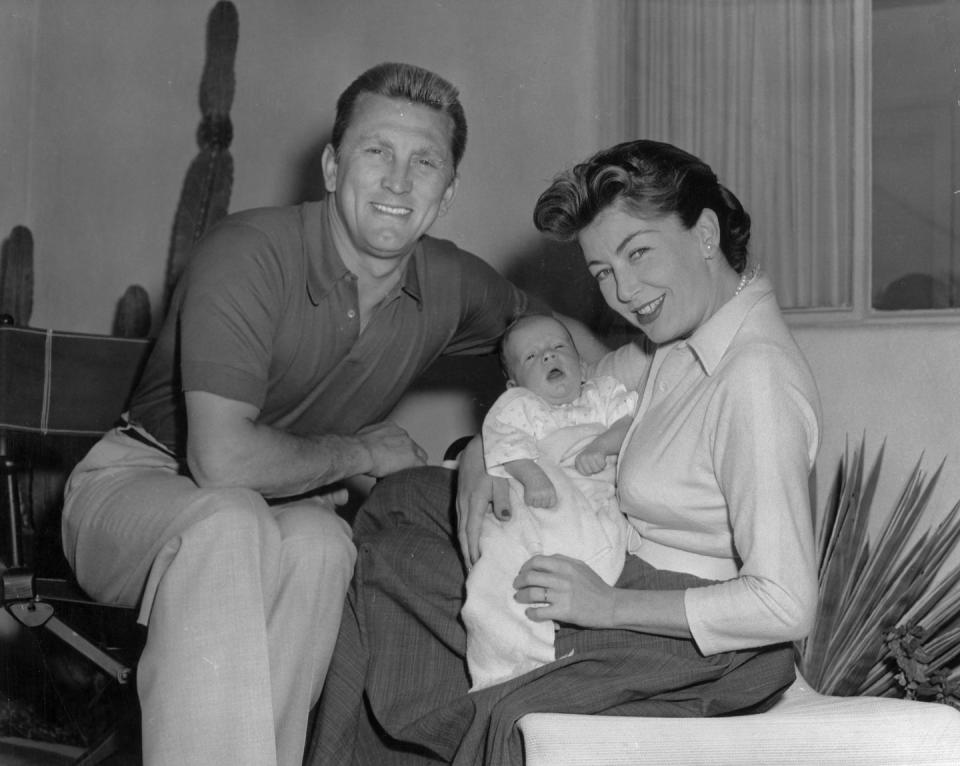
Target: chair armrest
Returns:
[804, 728]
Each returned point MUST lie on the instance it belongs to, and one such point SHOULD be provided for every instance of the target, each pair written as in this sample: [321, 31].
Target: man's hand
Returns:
[391, 448]
[335, 497]
[227, 446]
[478, 493]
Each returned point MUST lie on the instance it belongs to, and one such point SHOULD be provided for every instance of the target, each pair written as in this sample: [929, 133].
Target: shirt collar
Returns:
[711, 340]
[324, 271]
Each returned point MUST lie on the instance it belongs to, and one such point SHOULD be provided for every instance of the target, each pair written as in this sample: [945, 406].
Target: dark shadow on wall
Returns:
[557, 273]
[554, 271]
[916, 291]
[308, 181]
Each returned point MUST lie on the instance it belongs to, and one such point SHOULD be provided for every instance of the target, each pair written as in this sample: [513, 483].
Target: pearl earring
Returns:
[709, 254]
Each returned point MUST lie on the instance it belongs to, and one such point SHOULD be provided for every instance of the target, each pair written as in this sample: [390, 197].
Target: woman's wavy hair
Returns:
[647, 178]
[409, 82]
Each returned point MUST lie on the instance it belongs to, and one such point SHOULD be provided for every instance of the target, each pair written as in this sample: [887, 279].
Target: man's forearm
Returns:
[228, 447]
[276, 463]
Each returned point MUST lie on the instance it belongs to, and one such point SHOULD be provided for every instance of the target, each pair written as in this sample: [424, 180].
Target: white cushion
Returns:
[804, 727]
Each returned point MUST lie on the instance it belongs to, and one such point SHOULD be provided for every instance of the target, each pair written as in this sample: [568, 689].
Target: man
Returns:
[292, 334]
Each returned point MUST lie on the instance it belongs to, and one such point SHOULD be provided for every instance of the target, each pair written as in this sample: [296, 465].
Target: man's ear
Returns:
[448, 194]
[328, 161]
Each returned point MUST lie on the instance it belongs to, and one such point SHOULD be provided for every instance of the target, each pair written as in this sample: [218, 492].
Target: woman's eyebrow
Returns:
[626, 239]
[623, 244]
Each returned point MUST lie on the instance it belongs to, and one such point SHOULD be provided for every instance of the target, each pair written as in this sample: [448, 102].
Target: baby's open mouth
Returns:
[555, 372]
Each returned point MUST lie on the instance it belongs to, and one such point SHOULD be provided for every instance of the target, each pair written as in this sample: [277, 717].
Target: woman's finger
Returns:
[552, 564]
[474, 495]
[501, 498]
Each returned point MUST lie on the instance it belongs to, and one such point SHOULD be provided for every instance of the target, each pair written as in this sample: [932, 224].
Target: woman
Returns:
[712, 477]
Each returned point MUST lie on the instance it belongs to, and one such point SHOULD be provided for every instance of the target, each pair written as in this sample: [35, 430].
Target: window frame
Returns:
[862, 311]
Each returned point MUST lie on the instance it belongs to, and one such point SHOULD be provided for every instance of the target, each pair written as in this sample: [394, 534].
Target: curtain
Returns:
[764, 91]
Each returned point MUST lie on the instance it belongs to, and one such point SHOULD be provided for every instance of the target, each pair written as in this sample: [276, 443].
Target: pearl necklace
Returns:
[746, 278]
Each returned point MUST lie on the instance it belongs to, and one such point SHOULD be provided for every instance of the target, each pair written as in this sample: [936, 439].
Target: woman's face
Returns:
[654, 272]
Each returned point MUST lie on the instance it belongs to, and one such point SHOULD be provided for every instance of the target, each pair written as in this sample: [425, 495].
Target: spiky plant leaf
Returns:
[218, 81]
[132, 318]
[869, 590]
[204, 200]
[16, 275]
[205, 197]
[841, 553]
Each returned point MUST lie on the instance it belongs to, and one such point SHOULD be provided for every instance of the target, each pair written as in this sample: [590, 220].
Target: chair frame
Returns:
[30, 361]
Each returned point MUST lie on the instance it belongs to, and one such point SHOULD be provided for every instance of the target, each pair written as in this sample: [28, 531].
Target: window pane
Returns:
[916, 184]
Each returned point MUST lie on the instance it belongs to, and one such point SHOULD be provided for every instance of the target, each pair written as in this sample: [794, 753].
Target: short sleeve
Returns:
[510, 428]
[228, 314]
[488, 303]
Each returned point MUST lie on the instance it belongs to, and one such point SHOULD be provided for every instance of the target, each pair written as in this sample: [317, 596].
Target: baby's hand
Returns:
[540, 493]
[590, 461]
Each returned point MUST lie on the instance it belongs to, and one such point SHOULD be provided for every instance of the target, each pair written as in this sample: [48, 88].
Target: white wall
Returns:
[99, 103]
[896, 383]
[100, 111]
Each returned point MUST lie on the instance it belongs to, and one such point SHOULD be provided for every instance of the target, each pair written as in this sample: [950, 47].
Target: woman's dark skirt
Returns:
[397, 689]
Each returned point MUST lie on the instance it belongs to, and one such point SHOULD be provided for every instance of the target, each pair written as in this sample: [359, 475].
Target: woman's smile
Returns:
[649, 311]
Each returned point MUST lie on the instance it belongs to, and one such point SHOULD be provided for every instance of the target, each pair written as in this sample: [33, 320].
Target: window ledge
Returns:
[851, 316]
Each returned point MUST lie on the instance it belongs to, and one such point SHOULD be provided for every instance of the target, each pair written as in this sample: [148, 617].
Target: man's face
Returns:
[541, 357]
[393, 174]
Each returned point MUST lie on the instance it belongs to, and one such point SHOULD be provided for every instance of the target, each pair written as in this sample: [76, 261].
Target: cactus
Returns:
[205, 196]
[16, 276]
[132, 318]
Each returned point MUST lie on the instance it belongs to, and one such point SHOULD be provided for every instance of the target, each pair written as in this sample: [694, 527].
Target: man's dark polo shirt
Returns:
[267, 313]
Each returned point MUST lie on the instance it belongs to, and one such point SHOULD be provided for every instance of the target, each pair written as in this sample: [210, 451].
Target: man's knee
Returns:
[231, 511]
[315, 539]
[420, 496]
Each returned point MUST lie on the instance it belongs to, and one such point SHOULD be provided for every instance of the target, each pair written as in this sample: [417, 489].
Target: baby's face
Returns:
[540, 356]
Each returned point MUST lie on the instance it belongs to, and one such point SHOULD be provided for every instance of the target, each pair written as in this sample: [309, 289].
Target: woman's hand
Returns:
[477, 494]
[571, 591]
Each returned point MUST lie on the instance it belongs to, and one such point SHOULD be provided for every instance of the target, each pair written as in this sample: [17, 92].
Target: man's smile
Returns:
[390, 209]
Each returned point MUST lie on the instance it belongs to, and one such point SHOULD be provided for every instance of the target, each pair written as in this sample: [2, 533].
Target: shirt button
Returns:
[662, 386]
[352, 314]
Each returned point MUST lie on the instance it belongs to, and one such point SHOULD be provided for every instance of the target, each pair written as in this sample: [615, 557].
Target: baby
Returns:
[555, 438]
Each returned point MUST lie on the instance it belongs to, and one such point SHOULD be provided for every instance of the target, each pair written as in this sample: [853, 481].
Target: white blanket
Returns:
[586, 524]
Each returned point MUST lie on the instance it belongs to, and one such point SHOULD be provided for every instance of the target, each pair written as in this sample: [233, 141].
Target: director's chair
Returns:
[59, 392]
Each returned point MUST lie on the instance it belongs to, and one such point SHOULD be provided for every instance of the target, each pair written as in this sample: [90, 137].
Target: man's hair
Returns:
[406, 81]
